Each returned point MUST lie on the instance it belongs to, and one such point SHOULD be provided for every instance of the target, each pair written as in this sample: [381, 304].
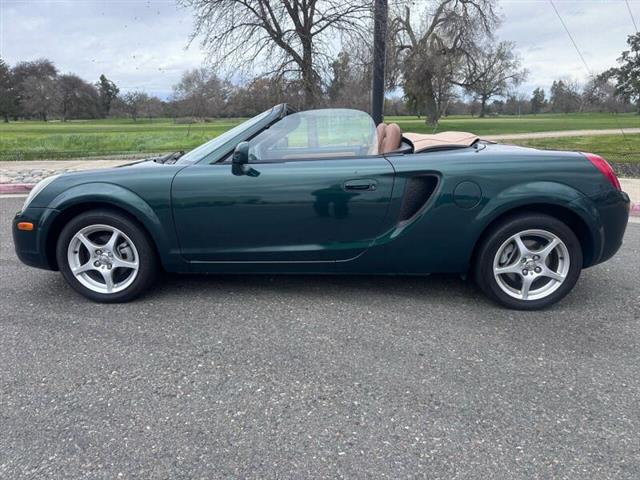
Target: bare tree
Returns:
[133, 103]
[350, 84]
[38, 93]
[432, 53]
[492, 71]
[284, 38]
[200, 93]
[600, 94]
[565, 97]
[78, 99]
[8, 94]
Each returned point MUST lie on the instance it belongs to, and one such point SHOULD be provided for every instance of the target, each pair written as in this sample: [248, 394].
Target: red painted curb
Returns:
[16, 187]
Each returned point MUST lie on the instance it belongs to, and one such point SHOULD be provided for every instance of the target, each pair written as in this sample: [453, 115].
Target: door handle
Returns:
[360, 185]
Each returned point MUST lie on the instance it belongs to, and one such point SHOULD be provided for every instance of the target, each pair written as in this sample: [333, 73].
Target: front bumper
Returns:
[31, 246]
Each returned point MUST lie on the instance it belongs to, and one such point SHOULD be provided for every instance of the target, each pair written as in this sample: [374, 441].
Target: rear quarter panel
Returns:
[442, 237]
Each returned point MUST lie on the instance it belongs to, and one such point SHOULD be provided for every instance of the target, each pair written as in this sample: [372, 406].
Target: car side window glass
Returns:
[316, 134]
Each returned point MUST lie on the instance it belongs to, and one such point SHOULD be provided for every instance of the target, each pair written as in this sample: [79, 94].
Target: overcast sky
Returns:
[142, 44]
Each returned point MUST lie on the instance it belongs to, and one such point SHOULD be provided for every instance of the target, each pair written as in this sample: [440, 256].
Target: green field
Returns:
[74, 139]
[615, 148]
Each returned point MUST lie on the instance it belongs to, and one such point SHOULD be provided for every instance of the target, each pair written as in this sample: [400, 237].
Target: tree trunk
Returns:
[483, 106]
[6, 118]
[308, 80]
[431, 113]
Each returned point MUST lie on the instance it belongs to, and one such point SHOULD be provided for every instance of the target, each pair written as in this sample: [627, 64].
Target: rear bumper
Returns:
[612, 209]
[31, 246]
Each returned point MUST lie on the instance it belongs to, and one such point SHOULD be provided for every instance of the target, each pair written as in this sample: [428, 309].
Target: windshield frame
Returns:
[222, 145]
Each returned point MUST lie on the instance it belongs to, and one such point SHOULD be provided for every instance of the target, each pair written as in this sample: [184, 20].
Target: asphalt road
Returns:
[318, 377]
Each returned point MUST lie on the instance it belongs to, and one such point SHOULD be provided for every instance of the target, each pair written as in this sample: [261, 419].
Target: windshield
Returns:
[208, 147]
[323, 133]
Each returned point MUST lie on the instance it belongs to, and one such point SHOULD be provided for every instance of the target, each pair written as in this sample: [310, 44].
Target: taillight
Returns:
[605, 169]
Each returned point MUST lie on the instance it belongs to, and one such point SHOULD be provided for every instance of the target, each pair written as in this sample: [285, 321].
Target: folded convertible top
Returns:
[422, 142]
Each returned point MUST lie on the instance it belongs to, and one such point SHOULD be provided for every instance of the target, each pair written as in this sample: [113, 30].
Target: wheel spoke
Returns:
[527, 280]
[89, 245]
[522, 248]
[84, 268]
[117, 262]
[513, 268]
[544, 253]
[547, 272]
[107, 275]
[111, 243]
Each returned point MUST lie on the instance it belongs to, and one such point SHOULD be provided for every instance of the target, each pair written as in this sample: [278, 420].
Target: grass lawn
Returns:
[74, 139]
[57, 140]
[614, 148]
[523, 124]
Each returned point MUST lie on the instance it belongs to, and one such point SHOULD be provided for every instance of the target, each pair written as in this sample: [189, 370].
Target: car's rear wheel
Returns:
[529, 261]
[106, 257]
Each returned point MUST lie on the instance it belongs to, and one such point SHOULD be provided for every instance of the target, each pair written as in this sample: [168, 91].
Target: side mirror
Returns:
[240, 159]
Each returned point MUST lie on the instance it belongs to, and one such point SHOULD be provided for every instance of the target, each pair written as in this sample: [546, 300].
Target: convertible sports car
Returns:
[328, 192]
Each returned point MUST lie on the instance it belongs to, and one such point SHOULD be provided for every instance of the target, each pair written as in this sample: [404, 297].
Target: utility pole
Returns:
[380, 12]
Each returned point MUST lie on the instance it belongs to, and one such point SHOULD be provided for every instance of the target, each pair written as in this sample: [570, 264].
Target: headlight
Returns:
[37, 189]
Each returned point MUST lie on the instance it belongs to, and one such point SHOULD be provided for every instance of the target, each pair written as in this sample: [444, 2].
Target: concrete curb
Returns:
[13, 188]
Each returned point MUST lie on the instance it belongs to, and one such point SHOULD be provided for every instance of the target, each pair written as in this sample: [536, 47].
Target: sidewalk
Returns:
[19, 177]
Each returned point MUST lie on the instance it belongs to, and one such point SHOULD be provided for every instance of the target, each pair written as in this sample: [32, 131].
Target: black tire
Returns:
[147, 264]
[501, 233]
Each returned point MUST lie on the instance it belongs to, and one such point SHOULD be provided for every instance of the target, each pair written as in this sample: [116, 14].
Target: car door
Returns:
[303, 200]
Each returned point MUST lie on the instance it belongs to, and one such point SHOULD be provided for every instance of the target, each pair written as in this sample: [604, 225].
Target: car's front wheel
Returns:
[529, 261]
[106, 257]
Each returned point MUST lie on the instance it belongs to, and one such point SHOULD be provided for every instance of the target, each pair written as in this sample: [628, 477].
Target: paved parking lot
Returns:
[318, 377]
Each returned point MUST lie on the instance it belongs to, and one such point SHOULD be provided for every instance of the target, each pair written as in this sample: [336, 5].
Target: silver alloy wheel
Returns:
[103, 259]
[531, 264]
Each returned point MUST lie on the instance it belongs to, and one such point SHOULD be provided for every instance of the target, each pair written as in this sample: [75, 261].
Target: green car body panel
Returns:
[413, 213]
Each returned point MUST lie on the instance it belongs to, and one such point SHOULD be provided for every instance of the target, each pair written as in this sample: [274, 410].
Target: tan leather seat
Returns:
[389, 137]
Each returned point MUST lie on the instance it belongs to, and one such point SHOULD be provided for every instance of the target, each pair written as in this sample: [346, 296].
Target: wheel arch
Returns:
[66, 215]
[102, 196]
[563, 213]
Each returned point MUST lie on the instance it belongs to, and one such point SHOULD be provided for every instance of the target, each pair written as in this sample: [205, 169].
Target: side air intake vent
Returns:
[416, 193]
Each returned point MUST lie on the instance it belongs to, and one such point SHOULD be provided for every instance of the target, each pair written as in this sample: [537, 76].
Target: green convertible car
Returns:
[328, 192]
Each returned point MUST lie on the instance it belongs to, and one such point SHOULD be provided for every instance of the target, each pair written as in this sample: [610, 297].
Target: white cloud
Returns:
[142, 43]
[599, 28]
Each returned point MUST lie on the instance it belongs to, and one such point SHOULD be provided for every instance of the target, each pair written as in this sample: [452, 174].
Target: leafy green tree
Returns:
[538, 101]
[627, 74]
[108, 91]
[8, 94]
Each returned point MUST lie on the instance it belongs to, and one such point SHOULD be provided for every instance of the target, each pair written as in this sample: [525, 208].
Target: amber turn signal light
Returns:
[27, 226]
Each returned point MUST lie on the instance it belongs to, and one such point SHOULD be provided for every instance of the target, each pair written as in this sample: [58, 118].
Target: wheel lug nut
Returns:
[525, 271]
[536, 257]
[538, 269]
[96, 264]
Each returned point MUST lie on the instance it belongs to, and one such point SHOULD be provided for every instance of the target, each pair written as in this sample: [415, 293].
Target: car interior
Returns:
[392, 140]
